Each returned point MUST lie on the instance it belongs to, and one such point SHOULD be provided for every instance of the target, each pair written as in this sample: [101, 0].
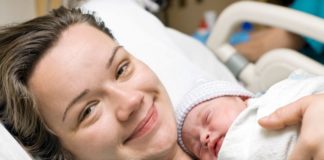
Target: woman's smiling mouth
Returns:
[146, 125]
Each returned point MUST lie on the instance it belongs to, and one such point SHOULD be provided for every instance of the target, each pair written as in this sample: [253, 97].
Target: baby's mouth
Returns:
[218, 145]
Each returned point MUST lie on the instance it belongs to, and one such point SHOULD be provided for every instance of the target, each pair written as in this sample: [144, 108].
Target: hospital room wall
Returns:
[186, 18]
[13, 11]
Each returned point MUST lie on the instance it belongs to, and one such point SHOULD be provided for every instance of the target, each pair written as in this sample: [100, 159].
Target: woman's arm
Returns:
[309, 111]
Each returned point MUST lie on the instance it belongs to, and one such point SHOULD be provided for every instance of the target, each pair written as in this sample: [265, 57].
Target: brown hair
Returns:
[21, 46]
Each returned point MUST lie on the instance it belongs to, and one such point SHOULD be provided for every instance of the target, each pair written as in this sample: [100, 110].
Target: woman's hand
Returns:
[309, 111]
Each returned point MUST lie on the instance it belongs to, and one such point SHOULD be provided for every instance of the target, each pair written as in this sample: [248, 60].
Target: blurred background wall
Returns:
[183, 15]
[13, 11]
[16, 10]
[186, 15]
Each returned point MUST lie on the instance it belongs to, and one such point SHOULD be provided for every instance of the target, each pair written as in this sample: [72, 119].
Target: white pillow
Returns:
[144, 36]
[9, 147]
[169, 53]
[201, 56]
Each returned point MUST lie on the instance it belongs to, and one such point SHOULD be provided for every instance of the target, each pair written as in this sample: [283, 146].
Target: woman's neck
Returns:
[181, 155]
[174, 153]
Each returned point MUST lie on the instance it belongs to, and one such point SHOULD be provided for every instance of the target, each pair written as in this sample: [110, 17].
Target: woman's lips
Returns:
[146, 125]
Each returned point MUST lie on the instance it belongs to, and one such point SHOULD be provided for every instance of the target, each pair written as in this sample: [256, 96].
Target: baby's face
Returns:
[206, 125]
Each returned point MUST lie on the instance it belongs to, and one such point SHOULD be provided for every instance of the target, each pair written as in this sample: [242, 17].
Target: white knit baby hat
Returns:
[203, 91]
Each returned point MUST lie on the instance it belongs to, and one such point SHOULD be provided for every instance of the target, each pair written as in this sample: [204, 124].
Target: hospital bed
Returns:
[277, 64]
[181, 62]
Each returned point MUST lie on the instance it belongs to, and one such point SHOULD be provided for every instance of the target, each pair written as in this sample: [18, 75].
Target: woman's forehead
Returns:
[78, 46]
[69, 63]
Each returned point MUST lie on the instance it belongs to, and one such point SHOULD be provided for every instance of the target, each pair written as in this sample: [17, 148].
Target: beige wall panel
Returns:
[13, 11]
[186, 19]
[43, 6]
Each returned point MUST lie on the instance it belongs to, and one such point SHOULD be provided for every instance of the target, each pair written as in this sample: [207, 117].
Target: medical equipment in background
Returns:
[275, 65]
[243, 35]
[205, 26]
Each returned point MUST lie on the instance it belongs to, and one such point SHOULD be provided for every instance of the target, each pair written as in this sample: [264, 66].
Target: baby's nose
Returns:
[204, 139]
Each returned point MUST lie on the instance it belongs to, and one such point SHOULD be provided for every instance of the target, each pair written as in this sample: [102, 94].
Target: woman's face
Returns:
[101, 102]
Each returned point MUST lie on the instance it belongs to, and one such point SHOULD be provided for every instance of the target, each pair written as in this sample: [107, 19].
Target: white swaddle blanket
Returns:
[246, 140]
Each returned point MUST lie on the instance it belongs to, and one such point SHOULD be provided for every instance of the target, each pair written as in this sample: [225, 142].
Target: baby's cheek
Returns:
[187, 141]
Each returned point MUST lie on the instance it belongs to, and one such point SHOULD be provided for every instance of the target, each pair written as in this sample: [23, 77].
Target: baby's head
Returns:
[205, 115]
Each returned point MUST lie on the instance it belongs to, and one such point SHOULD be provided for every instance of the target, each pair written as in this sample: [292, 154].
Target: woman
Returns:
[70, 91]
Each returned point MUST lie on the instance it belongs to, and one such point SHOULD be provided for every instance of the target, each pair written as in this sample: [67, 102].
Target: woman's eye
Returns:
[121, 70]
[89, 109]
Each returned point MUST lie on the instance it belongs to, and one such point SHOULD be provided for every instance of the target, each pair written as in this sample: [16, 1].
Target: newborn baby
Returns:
[218, 120]
[215, 105]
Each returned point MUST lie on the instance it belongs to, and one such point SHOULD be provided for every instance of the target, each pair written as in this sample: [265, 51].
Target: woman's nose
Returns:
[128, 103]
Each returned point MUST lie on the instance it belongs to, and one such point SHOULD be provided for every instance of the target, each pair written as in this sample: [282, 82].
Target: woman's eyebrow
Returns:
[86, 91]
[111, 59]
[75, 100]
